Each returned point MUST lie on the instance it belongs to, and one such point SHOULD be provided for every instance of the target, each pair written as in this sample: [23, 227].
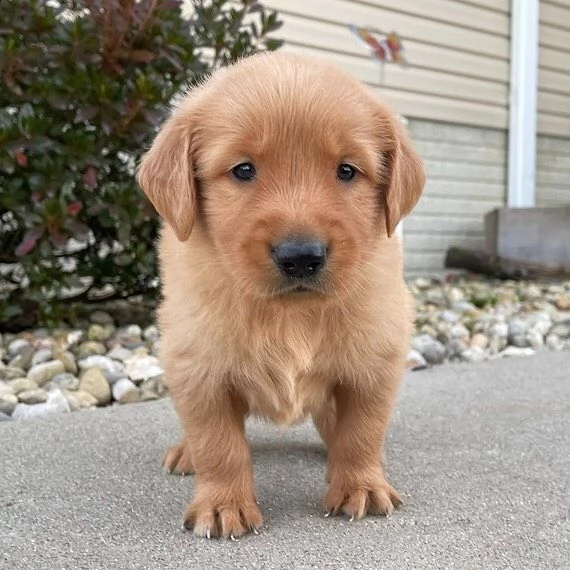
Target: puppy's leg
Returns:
[325, 422]
[178, 459]
[224, 503]
[356, 480]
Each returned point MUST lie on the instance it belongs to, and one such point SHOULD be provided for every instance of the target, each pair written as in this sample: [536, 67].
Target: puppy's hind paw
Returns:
[177, 459]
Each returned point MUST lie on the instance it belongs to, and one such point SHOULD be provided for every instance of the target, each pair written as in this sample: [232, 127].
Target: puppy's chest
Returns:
[287, 382]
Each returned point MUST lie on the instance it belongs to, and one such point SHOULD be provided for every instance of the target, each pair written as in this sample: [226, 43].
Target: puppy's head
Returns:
[292, 170]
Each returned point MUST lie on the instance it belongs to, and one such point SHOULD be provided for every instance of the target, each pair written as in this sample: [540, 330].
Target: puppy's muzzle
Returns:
[299, 259]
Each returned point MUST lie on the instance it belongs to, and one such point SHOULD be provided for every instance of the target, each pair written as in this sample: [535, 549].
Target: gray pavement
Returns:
[480, 454]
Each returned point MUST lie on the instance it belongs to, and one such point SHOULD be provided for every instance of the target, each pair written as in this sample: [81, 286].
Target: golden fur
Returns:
[235, 341]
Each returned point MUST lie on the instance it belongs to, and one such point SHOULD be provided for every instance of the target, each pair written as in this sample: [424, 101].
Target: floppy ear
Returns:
[166, 174]
[404, 177]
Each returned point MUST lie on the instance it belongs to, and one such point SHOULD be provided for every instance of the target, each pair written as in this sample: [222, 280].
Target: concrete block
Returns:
[539, 235]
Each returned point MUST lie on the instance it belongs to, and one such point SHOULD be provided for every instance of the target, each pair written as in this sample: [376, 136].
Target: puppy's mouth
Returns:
[295, 289]
[300, 289]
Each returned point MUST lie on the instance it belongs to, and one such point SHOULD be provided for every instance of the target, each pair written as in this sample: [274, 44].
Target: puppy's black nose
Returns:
[299, 259]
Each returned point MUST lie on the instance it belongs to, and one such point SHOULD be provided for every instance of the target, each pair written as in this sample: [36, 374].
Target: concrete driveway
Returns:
[480, 453]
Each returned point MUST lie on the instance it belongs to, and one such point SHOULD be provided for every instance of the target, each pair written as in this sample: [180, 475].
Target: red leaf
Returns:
[29, 242]
[57, 238]
[171, 5]
[90, 178]
[21, 159]
[141, 55]
[26, 246]
[73, 208]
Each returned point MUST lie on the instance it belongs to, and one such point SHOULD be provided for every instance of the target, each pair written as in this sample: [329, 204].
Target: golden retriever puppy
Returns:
[281, 180]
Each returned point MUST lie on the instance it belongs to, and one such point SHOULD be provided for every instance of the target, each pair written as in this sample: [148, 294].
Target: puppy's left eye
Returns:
[244, 171]
[345, 172]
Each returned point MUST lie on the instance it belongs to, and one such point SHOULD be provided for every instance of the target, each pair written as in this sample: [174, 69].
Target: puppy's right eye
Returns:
[244, 171]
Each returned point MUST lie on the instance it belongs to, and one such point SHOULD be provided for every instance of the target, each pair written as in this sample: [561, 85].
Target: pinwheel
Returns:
[386, 50]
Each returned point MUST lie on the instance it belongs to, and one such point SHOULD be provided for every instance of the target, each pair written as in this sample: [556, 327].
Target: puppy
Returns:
[281, 180]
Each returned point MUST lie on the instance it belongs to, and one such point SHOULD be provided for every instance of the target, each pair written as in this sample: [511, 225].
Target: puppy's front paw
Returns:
[359, 496]
[212, 516]
[177, 459]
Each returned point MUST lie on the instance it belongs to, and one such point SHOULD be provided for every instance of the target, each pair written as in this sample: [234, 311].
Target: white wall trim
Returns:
[523, 103]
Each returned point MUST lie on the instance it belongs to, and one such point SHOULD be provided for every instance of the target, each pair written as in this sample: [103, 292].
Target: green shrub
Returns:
[83, 88]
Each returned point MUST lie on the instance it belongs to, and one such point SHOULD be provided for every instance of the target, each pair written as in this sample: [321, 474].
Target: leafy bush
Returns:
[83, 88]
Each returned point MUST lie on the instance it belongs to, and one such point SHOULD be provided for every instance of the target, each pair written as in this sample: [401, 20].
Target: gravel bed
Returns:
[46, 372]
[471, 319]
[461, 318]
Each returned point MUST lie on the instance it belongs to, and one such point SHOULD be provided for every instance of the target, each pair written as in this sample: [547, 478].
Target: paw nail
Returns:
[351, 519]
[208, 534]
[232, 537]
[254, 530]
